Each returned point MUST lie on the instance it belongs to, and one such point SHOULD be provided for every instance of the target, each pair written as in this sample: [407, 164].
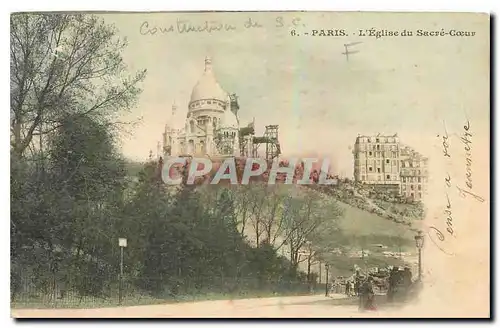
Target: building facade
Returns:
[211, 127]
[382, 162]
[414, 174]
[376, 161]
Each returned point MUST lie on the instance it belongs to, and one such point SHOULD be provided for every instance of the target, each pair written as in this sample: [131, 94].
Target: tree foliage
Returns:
[71, 197]
[64, 64]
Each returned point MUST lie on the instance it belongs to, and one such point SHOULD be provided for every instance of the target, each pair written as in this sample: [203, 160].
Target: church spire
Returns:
[208, 64]
[174, 109]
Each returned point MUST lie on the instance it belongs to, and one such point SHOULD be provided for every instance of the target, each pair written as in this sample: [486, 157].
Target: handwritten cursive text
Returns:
[185, 26]
[436, 233]
[446, 144]
[467, 140]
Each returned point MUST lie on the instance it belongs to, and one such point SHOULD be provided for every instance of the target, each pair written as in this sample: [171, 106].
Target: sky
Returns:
[321, 101]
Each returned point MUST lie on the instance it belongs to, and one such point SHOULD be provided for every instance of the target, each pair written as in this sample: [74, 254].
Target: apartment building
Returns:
[414, 173]
[383, 163]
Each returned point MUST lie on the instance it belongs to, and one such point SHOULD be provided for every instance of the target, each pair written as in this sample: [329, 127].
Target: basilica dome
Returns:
[207, 87]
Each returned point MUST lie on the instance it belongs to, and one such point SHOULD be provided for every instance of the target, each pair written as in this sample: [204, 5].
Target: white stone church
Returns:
[211, 126]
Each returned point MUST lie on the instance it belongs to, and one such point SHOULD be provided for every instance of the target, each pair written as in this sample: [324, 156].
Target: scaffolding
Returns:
[225, 141]
[270, 139]
[246, 135]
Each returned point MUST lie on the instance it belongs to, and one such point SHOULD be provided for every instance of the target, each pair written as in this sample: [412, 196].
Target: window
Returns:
[403, 187]
[378, 140]
[370, 169]
[412, 195]
[387, 161]
[209, 102]
[402, 164]
[419, 187]
[378, 147]
[362, 178]
[419, 195]
[202, 146]
[388, 177]
[404, 179]
[370, 153]
[378, 170]
[412, 187]
[419, 179]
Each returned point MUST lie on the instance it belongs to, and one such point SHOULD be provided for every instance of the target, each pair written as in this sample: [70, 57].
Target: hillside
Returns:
[367, 225]
[359, 229]
[362, 223]
[356, 222]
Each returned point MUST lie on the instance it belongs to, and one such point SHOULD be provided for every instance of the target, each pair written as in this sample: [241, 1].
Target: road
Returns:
[318, 306]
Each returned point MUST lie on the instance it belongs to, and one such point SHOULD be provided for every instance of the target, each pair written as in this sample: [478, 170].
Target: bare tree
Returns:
[257, 200]
[272, 218]
[310, 218]
[64, 64]
[242, 206]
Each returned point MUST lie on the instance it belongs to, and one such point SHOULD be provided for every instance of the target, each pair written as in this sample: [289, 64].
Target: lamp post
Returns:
[419, 241]
[122, 242]
[326, 284]
[319, 263]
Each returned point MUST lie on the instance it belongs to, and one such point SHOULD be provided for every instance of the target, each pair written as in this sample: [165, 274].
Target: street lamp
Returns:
[326, 284]
[419, 241]
[122, 242]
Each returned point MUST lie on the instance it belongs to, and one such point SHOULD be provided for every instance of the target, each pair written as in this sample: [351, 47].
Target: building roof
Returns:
[208, 87]
[378, 136]
[406, 150]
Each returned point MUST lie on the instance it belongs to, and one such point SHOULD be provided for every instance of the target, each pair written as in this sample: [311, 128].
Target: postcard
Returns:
[250, 165]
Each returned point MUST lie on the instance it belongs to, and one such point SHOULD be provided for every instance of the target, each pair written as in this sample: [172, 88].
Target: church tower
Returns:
[170, 142]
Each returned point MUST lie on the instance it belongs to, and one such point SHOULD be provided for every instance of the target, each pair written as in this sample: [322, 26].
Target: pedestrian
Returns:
[407, 281]
[357, 284]
[367, 295]
[393, 281]
[347, 288]
[407, 277]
